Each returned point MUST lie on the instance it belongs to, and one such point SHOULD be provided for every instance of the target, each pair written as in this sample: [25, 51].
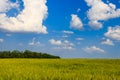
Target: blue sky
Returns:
[70, 29]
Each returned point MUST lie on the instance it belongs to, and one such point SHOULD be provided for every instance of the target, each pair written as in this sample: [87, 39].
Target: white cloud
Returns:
[55, 42]
[66, 42]
[93, 49]
[113, 32]
[64, 48]
[34, 42]
[76, 22]
[100, 11]
[1, 40]
[62, 44]
[6, 5]
[95, 25]
[79, 39]
[107, 42]
[29, 20]
[68, 32]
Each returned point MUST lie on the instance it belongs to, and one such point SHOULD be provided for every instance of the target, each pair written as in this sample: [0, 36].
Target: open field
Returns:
[59, 69]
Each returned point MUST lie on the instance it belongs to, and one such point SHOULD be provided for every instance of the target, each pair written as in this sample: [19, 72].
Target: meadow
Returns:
[59, 69]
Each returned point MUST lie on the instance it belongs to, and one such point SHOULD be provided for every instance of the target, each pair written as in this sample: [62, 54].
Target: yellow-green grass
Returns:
[59, 69]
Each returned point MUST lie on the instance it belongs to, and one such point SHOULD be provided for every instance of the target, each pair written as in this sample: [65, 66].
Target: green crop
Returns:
[59, 69]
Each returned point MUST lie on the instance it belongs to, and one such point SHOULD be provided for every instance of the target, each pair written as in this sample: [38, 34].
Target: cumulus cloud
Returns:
[107, 42]
[67, 45]
[76, 22]
[95, 24]
[93, 49]
[55, 42]
[6, 5]
[33, 42]
[1, 40]
[29, 20]
[100, 11]
[68, 32]
[113, 33]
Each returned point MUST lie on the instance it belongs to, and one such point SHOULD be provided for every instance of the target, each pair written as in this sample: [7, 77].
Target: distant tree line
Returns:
[25, 54]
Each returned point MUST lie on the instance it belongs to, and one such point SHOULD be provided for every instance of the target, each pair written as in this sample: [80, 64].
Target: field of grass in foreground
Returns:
[59, 69]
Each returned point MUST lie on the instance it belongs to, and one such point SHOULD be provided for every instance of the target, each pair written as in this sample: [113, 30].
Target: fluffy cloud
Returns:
[95, 25]
[93, 49]
[100, 11]
[1, 40]
[6, 5]
[113, 32]
[68, 32]
[62, 44]
[76, 22]
[107, 42]
[34, 42]
[29, 20]
[55, 42]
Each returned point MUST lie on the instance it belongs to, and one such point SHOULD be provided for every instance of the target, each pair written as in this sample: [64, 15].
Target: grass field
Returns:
[59, 69]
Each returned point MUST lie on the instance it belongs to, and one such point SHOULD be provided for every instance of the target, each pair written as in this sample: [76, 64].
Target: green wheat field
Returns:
[59, 69]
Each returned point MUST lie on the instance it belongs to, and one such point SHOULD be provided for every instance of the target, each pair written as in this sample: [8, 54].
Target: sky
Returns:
[66, 28]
